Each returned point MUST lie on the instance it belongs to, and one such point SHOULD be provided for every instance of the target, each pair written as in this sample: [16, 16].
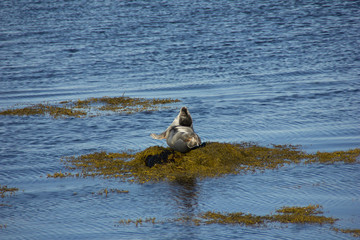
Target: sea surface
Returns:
[270, 72]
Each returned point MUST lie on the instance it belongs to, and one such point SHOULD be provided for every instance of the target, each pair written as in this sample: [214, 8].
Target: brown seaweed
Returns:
[286, 215]
[91, 107]
[5, 191]
[213, 160]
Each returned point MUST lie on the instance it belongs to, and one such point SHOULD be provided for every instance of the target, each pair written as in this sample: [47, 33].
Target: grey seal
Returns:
[180, 135]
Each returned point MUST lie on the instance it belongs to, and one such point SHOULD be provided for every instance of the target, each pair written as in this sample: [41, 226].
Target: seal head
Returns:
[185, 117]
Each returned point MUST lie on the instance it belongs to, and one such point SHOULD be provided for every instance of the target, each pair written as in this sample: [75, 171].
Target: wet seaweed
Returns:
[62, 175]
[210, 161]
[6, 191]
[91, 107]
[213, 159]
[349, 156]
[353, 232]
[286, 215]
[137, 222]
[297, 215]
[211, 217]
[309, 214]
[44, 109]
[106, 191]
[103, 164]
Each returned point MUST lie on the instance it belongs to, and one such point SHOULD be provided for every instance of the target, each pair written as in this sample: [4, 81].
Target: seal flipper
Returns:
[182, 119]
[165, 133]
[160, 136]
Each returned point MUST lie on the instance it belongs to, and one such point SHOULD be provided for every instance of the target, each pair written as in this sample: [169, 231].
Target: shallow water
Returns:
[272, 72]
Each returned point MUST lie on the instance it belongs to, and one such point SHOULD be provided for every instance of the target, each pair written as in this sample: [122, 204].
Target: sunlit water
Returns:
[272, 72]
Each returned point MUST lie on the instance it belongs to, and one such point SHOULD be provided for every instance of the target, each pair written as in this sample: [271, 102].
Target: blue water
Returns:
[272, 72]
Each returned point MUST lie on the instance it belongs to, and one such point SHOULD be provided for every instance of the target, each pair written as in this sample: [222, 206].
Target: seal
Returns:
[180, 135]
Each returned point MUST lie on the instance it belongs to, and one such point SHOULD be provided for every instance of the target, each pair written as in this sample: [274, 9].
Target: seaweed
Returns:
[99, 164]
[6, 191]
[349, 156]
[106, 191]
[297, 215]
[211, 217]
[286, 215]
[91, 107]
[309, 214]
[212, 160]
[354, 232]
[44, 109]
[137, 222]
[61, 175]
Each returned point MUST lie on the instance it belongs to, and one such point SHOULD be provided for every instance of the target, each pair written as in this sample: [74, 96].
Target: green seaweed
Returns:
[91, 107]
[213, 160]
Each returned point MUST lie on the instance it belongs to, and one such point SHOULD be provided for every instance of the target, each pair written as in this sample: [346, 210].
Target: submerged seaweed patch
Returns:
[6, 191]
[137, 222]
[62, 175]
[353, 232]
[309, 214]
[106, 191]
[229, 218]
[213, 160]
[296, 215]
[300, 215]
[349, 156]
[45, 109]
[91, 107]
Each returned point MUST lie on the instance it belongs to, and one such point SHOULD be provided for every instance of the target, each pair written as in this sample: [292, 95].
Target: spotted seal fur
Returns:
[180, 135]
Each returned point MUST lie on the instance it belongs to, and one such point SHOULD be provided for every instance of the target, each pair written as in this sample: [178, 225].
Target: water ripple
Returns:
[278, 72]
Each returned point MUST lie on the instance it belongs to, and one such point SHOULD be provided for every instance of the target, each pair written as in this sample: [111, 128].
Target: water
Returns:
[272, 72]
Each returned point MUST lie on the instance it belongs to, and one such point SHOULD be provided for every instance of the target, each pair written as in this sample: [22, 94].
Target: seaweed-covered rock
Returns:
[214, 159]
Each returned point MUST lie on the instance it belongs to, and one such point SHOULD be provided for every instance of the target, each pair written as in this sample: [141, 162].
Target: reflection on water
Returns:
[185, 192]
